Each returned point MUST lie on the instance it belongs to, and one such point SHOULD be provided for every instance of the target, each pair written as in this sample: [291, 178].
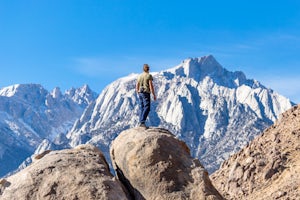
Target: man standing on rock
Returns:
[144, 87]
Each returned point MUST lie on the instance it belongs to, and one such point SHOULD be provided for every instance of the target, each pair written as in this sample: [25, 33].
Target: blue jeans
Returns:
[144, 106]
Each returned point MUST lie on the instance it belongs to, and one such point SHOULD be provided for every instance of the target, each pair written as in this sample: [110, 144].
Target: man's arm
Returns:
[152, 89]
[137, 87]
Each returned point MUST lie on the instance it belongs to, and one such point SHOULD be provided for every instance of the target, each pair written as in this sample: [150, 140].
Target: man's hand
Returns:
[154, 97]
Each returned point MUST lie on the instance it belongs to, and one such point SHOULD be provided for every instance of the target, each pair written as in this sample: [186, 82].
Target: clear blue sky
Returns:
[69, 43]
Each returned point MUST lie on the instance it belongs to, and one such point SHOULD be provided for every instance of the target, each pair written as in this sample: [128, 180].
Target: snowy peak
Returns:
[56, 93]
[83, 95]
[207, 66]
[18, 89]
[9, 91]
[30, 93]
[198, 68]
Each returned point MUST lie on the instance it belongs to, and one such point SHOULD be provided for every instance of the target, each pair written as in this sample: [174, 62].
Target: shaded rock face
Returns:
[153, 164]
[269, 167]
[79, 173]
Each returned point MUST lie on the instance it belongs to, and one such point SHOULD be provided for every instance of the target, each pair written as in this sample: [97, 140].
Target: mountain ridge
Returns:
[29, 114]
[214, 111]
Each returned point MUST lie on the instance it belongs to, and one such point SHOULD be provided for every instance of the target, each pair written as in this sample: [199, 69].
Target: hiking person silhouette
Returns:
[144, 88]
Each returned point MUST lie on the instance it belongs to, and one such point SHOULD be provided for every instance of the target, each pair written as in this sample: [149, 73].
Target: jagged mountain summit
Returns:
[29, 114]
[215, 111]
[267, 168]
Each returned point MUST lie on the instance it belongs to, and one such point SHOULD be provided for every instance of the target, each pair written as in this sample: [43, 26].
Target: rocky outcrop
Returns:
[150, 164]
[269, 167]
[79, 173]
[154, 165]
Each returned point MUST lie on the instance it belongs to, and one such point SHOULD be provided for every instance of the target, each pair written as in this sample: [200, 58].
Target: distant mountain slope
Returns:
[269, 167]
[216, 112]
[29, 114]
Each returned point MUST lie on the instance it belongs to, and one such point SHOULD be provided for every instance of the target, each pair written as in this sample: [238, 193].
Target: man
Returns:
[144, 88]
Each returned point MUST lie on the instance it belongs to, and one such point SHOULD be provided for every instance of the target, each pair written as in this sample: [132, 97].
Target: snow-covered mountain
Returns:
[216, 112]
[30, 114]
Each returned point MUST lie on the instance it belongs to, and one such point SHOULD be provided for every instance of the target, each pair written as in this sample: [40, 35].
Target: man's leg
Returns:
[146, 109]
[141, 102]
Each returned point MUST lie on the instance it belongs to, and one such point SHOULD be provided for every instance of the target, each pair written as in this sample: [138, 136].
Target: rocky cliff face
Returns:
[156, 166]
[151, 164]
[269, 167]
[215, 111]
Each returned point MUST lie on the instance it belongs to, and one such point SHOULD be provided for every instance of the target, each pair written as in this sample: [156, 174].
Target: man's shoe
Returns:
[143, 125]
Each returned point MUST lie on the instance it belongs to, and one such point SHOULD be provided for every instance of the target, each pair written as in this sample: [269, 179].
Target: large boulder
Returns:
[79, 173]
[154, 165]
